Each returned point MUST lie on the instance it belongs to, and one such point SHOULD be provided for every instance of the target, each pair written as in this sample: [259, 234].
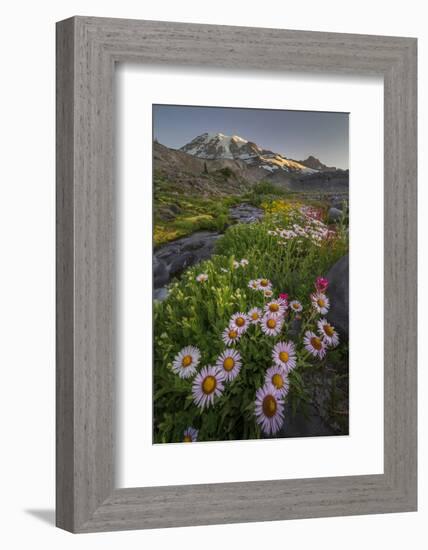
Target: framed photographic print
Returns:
[236, 264]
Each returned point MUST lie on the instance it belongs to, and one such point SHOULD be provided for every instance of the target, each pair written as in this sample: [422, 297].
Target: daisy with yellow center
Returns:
[268, 293]
[320, 302]
[315, 344]
[254, 315]
[240, 322]
[244, 262]
[202, 278]
[284, 355]
[229, 363]
[328, 333]
[186, 361]
[296, 306]
[190, 435]
[275, 306]
[231, 335]
[207, 385]
[253, 284]
[269, 409]
[271, 324]
[277, 376]
[264, 284]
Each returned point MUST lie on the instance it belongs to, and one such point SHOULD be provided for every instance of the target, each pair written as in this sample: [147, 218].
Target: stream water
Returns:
[171, 259]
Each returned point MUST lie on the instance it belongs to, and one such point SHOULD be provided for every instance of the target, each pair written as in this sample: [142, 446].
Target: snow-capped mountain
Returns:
[219, 146]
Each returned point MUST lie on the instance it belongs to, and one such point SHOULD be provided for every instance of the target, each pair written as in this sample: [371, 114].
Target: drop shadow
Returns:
[46, 515]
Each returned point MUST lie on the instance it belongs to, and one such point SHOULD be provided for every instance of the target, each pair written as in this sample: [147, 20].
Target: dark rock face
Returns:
[300, 426]
[338, 292]
[334, 215]
[327, 411]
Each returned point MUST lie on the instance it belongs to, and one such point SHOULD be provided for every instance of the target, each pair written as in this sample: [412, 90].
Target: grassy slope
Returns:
[178, 213]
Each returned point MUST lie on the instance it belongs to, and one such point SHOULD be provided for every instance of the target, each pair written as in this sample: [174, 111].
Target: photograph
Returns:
[250, 273]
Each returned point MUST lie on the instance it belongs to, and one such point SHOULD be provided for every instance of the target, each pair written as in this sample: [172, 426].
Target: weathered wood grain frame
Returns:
[87, 50]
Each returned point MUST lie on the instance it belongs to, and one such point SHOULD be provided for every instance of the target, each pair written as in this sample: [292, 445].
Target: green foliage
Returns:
[179, 214]
[266, 188]
[197, 313]
[186, 203]
[292, 267]
[264, 191]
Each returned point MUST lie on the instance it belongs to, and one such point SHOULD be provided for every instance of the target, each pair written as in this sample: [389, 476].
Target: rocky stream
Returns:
[171, 259]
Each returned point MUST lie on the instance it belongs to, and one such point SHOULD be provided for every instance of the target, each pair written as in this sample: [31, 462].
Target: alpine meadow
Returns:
[250, 274]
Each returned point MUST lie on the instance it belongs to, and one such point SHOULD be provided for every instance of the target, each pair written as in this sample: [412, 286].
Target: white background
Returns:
[27, 274]
[362, 451]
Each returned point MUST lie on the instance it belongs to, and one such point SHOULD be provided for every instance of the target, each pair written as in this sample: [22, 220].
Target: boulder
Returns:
[334, 215]
[160, 273]
[338, 203]
[304, 425]
[180, 262]
[338, 293]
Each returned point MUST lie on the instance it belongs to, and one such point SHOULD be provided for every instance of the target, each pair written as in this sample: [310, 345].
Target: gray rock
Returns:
[180, 262]
[173, 258]
[160, 293]
[193, 245]
[334, 215]
[338, 292]
[338, 204]
[246, 213]
[160, 273]
[299, 425]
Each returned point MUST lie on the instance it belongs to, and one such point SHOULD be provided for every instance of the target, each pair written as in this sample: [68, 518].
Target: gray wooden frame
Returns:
[87, 50]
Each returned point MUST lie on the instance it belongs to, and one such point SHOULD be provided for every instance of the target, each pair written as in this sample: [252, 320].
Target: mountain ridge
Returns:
[216, 146]
[211, 177]
[316, 164]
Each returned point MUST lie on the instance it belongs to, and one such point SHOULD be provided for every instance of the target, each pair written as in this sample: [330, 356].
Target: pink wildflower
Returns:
[321, 284]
